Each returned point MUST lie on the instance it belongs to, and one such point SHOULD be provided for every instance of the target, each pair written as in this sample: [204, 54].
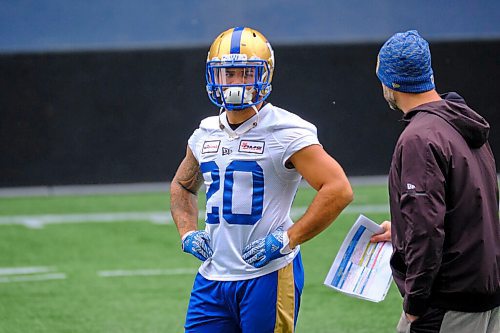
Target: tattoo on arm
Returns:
[183, 201]
[187, 189]
[189, 177]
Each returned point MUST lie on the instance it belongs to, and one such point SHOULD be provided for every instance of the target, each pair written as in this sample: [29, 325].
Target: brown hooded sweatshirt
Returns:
[444, 210]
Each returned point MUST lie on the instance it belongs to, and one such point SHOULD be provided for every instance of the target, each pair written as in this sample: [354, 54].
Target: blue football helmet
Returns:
[239, 69]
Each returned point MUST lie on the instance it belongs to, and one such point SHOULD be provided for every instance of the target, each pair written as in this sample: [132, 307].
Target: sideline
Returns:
[131, 188]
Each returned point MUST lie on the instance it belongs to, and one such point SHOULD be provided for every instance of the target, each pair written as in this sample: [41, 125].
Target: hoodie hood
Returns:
[453, 109]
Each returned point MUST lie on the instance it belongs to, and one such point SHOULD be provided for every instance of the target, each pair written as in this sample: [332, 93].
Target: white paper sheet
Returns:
[361, 269]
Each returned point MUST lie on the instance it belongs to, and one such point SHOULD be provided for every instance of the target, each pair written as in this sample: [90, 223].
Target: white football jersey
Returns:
[249, 189]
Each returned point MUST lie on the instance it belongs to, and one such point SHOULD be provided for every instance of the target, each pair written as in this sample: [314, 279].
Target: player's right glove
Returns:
[198, 244]
[261, 251]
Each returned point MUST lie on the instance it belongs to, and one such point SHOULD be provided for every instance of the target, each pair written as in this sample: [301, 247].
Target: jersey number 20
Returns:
[227, 195]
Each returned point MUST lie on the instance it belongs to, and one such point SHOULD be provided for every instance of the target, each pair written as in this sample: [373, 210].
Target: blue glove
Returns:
[261, 251]
[198, 244]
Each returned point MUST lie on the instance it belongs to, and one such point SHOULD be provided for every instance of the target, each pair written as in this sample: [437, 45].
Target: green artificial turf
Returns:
[86, 302]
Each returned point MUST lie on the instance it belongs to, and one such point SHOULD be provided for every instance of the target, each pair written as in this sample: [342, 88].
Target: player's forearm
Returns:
[184, 208]
[324, 209]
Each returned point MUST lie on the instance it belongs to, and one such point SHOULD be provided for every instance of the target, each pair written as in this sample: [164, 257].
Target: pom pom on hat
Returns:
[404, 63]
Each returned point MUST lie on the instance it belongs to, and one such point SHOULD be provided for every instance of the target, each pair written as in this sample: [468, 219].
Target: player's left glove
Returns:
[261, 251]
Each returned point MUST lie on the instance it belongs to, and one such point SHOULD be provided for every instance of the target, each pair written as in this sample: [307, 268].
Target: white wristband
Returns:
[286, 244]
[186, 234]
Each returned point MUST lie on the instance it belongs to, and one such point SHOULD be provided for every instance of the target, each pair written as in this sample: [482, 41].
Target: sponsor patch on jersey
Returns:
[253, 147]
[210, 147]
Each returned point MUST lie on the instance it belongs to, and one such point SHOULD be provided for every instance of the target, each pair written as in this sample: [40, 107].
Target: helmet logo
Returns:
[234, 57]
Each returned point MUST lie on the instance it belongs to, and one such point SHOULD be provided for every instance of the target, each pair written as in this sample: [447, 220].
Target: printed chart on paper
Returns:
[361, 269]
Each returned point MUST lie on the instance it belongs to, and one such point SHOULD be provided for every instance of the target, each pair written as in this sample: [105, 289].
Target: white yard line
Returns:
[39, 221]
[134, 188]
[147, 272]
[31, 274]
[24, 270]
[31, 278]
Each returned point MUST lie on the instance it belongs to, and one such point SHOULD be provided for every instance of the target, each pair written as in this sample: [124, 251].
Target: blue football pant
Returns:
[266, 304]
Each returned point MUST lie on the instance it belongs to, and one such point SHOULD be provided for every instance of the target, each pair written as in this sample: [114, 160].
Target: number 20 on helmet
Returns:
[239, 69]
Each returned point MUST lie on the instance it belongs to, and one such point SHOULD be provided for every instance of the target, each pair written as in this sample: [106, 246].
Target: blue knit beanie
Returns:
[404, 63]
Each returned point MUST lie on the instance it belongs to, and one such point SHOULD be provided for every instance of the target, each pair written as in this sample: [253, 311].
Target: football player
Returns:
[251, 158]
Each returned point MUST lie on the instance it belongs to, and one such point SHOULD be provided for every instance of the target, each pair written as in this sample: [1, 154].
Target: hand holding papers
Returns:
[361, 269]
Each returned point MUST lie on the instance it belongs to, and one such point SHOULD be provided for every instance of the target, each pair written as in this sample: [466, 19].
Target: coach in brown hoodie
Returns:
[444, 200]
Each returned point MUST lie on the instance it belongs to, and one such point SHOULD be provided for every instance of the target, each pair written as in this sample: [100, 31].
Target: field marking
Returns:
[29, 274]
[147, 272]
[24, 270]
[39, 221]
[156, 187]
[32, 274]
[32, 278]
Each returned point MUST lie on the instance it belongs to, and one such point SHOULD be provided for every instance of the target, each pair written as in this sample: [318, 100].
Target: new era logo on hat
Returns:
[404, 63]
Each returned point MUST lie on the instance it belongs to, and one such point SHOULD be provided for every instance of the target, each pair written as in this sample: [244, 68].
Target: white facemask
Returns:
[232, 95]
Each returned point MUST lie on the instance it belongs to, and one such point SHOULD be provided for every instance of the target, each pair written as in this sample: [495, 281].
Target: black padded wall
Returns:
[125, 116]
